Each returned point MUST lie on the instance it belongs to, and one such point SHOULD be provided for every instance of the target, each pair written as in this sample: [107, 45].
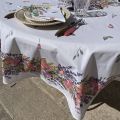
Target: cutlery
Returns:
[10, 15]
[70, 28]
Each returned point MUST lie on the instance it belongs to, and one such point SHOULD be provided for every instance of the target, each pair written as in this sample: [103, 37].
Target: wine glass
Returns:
[61, 3]
[65, 3]
[81, 7]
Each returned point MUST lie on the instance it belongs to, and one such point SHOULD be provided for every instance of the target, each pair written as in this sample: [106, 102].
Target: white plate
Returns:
[43, 17]
[20, 16]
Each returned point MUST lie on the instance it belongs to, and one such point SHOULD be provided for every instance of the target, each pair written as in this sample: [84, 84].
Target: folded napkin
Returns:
[70, 28]
[53, 13]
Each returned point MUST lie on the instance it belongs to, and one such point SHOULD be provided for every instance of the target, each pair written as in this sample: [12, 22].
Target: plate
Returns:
[20, 16]
[46, 14]
[28, 13]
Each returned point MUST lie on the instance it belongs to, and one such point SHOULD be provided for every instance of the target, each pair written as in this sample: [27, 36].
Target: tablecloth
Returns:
[80, 65]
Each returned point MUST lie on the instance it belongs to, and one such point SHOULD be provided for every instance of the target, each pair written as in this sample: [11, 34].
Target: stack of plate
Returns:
[26, 17]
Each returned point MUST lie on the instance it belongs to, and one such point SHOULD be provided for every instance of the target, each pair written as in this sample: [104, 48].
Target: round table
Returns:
[79, 65]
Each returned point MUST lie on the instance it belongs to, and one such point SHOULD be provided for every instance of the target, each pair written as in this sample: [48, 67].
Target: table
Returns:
[80, 65]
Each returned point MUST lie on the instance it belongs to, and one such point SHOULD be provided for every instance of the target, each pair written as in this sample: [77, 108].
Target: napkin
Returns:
[53, 13]
[70, 28]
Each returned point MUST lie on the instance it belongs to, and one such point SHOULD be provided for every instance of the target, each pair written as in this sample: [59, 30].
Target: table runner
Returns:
[80, 65]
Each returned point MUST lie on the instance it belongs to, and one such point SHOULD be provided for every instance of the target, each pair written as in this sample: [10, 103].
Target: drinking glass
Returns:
[65, 3]
[81, 7]
[69, 3]
[61, 3]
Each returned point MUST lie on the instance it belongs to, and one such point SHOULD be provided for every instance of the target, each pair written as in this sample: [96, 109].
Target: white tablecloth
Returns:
[80, 65]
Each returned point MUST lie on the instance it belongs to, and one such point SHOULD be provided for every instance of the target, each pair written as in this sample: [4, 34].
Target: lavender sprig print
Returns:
[107, 37]
[79, 51]
[114, 15]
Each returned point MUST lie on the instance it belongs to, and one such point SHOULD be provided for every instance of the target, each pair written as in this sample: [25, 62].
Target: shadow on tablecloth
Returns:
[110, 95]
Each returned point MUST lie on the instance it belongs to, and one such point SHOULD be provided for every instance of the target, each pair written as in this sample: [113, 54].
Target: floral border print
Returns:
[13, 64]
[81, 92]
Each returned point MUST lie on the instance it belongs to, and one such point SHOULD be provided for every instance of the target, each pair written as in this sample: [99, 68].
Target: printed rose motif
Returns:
[12, 64]
[32, 65]
[61, 72]
[77, 101]
[101, 86]
[93, 86]
[44, 64]
[86, 99]
[79, 93]
[80, 89]
[11, 61]
[68, 84]
[85, 90]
